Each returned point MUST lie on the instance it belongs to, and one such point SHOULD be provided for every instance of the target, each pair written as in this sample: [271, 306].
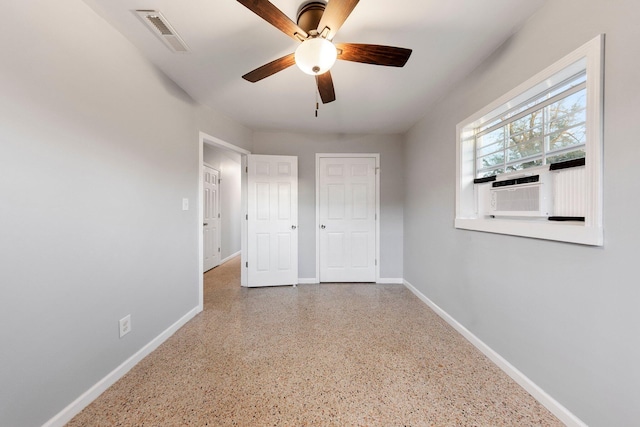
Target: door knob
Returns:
[323, 226]
[205, 224]
[293, 227]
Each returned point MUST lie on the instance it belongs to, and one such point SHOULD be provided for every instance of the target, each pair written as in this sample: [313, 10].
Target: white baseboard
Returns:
[230, 257]
[383, 280]
[532, 388]
[389, 280]
[97, 389]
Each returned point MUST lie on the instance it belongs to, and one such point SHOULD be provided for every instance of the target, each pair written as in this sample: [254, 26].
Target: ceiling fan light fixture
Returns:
[316, 56]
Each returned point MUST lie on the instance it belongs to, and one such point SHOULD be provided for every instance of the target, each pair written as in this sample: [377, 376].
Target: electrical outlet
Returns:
[125, 325]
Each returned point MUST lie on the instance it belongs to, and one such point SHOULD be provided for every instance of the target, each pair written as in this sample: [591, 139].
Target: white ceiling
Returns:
[449, 38]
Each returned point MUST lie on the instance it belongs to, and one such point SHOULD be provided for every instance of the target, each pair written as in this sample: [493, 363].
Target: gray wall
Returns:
[97, 150]
[228, 163]
[565, 315]
[222, 127]
[391, 192]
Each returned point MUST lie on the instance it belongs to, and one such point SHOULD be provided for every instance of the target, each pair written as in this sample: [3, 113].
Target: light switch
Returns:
[185, 204]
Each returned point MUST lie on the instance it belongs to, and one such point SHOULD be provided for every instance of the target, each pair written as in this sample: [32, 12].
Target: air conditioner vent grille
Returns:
[159, 25]
[519, 199]
[518, 196]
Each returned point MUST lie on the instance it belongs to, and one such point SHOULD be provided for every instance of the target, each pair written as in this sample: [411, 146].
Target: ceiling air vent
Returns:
[159, 25]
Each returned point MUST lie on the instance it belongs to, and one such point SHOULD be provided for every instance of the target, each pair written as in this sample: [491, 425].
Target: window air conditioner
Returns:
[524, 195]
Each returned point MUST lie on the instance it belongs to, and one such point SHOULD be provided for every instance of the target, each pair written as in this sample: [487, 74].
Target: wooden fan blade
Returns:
[270, 68]
[336, 12]
[267, 11]
[325, 87]
[373, 54]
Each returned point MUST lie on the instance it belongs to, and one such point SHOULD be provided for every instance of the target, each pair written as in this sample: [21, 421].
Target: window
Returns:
[547, 129]
[554, 117]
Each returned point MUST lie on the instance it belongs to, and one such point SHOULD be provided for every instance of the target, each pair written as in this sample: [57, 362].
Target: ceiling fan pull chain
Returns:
[317, 103]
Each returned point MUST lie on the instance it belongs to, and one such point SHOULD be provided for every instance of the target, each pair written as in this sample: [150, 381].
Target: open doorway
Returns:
[212, 215]
[230, 161]
[222, 207]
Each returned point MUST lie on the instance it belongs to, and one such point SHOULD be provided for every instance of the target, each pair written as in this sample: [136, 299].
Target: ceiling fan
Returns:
[317, 24]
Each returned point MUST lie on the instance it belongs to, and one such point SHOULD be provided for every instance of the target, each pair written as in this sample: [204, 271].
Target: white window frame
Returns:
[590, 232]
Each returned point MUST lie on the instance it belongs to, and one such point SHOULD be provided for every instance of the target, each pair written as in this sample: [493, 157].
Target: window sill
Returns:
[572, 232]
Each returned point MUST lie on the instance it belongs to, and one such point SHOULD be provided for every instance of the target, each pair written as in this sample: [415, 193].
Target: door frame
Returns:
[376, 156]
[207, 139]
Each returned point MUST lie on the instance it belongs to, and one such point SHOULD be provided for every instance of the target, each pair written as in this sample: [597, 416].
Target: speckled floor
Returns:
[314, 355]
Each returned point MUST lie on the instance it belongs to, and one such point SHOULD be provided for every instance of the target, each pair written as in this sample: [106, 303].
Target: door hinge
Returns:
[375, 216]
[218, 180]
[246, 169]
[246, 217]
[376, 262]
[246, 264]
[218, 215]
[218, 249]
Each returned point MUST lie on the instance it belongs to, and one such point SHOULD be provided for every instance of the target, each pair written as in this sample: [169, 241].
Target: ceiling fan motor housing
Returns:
[309, 15]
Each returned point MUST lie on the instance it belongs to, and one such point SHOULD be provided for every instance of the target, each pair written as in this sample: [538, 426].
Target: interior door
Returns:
[347, 209]
[211, 224]
[272, 206]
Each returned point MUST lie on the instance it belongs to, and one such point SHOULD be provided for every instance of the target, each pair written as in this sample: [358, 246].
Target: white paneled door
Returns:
[272, 207]
[211, 223]
[347, 210]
